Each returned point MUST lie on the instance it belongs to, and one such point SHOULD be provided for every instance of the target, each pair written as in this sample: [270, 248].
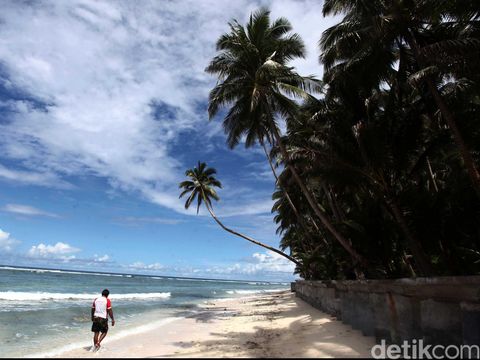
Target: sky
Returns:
[102, 109]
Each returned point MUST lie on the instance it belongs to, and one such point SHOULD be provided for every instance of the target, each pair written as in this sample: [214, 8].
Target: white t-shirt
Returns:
[101, 305]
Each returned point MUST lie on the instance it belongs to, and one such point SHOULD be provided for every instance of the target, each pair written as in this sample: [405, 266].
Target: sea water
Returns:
[44, 312]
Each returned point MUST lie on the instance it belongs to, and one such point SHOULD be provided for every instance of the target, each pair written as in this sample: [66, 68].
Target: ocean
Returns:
[44, 312]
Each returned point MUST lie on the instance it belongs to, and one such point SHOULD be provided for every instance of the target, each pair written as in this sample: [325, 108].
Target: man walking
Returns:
[101, 308]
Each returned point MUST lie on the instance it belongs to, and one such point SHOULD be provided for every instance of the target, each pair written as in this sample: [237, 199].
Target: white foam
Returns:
[41, 271]
[241, 292]
[129, 332]
[209, 280]
[41, 296]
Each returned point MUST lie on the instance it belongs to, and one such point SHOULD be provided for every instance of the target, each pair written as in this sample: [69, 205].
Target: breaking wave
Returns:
[42, 296]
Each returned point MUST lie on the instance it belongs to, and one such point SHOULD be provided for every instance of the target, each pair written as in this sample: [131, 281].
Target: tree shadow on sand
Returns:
[320, 335]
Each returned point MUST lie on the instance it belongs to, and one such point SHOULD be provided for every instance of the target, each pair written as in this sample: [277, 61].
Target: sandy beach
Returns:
[267, 325]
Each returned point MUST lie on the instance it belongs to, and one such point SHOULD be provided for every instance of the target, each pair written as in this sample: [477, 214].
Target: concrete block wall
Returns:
[440, 310]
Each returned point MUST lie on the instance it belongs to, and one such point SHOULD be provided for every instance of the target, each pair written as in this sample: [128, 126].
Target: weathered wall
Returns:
[441, 310]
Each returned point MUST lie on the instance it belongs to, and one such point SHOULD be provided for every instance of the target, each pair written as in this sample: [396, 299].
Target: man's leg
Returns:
[95, 338]
[102, 336]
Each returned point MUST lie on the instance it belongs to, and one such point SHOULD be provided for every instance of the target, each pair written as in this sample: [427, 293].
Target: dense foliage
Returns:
[378, 170]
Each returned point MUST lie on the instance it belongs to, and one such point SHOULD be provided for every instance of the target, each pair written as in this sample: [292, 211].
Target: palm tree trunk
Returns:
[449, 118]
[432, 176]
[210, 210]
[464, 151]
[408, 265]
[386, 194]
[343, 242]
[289, 199]
[277, 181]
[332, 204]
[414, 245]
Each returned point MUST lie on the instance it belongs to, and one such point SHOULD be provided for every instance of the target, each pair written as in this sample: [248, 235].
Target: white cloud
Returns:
[259, 206]
[59, 251]
[306, 19]
[27, 210]
[40, 178]
[45, 254]
[259, 264]
[101, 259]
[142, 266]
[114, 84]
[137, 220]
[262, 265]
[6, 242]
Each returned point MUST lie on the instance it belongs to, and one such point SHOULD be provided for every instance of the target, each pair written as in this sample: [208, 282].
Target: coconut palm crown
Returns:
[254, 79]
[201, 186]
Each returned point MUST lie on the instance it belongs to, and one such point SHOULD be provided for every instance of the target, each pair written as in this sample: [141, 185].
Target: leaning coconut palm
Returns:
[201, 187]
[256, 82]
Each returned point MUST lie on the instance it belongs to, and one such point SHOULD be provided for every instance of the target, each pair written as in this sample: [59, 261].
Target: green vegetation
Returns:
[378, 169]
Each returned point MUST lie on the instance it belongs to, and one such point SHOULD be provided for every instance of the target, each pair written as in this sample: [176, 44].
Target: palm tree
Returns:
[201, 186]
[257, 84]
[317, 140]
[281, 185]
[374, 33]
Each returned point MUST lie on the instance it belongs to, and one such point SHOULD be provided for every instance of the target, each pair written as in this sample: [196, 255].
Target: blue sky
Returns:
[102, 109]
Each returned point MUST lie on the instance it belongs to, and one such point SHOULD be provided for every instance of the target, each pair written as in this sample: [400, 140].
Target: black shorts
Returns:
[100, 325]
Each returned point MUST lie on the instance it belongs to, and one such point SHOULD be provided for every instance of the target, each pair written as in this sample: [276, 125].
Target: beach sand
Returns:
[267, 325]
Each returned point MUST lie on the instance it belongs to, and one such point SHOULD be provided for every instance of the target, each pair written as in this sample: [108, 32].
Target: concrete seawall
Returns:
[440, 310]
